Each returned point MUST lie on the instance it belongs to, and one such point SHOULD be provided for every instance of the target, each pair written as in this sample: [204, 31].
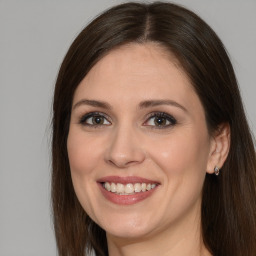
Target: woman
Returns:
[151, 149]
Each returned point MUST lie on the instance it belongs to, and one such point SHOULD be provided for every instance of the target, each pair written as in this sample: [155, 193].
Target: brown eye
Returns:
[94, 119]
[97, 120]
[160, 120]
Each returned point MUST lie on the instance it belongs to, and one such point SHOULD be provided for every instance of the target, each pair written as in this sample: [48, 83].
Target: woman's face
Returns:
[138, 144]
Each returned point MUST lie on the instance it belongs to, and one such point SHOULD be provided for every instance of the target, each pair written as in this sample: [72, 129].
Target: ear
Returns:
[219, 148]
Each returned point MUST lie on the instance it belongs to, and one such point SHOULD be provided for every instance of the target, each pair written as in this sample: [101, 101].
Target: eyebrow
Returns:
[143, 104]
[154, 103]
[93, 103]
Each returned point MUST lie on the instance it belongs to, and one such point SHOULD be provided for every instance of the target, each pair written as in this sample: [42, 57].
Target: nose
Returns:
[125, 148]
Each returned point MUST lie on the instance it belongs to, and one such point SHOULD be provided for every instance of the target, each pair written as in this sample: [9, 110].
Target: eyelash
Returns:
[86, 117]
[172, 121]
[166, 118]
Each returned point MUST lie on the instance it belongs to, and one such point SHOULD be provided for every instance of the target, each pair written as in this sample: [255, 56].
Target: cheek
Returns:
[83, 161]
[182, 153]
[82, 158]
[182, 158]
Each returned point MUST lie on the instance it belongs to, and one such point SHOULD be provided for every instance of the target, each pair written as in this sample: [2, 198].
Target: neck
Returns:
[183, 239]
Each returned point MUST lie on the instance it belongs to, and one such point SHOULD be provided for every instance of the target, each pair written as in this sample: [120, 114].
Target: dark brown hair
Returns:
[229, 200]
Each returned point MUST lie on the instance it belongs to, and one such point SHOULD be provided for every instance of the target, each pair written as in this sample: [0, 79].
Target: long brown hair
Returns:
[229, 200]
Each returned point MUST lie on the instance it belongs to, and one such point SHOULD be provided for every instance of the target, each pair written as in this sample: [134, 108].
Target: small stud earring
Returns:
[216, 170]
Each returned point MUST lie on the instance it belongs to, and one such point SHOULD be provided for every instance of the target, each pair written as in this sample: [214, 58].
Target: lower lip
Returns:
[126, 199]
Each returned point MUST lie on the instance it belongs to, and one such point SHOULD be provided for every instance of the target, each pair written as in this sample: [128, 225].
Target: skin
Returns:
[128, 143]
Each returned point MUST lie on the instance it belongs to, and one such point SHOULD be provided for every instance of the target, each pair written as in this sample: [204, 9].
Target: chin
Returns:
[130, 226]
[127, 232]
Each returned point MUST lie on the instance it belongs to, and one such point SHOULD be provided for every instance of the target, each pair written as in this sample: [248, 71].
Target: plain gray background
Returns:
[34, 37]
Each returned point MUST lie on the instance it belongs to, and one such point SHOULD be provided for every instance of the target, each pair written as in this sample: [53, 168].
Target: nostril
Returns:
[122, 163]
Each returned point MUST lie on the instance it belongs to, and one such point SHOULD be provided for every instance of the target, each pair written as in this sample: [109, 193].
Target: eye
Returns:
[94, 119]
[160, 120]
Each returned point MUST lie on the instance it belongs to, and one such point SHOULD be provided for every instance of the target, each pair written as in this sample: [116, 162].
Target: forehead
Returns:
[137, 71]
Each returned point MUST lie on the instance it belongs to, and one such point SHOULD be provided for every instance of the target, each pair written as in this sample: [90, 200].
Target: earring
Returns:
[216, 170]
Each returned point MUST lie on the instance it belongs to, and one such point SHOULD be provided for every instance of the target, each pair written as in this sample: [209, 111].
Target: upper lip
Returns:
[126, 180]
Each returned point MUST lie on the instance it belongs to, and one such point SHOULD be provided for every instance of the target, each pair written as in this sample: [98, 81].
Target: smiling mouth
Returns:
[129, 188]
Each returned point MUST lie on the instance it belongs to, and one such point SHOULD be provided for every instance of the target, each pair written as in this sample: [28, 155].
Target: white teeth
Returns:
[107, 186]
[127, 189]
[148, 186]
[137, 187]
[113, 187]
[120, 188]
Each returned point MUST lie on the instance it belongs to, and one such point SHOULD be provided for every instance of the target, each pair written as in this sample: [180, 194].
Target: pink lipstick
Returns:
[126, 190]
